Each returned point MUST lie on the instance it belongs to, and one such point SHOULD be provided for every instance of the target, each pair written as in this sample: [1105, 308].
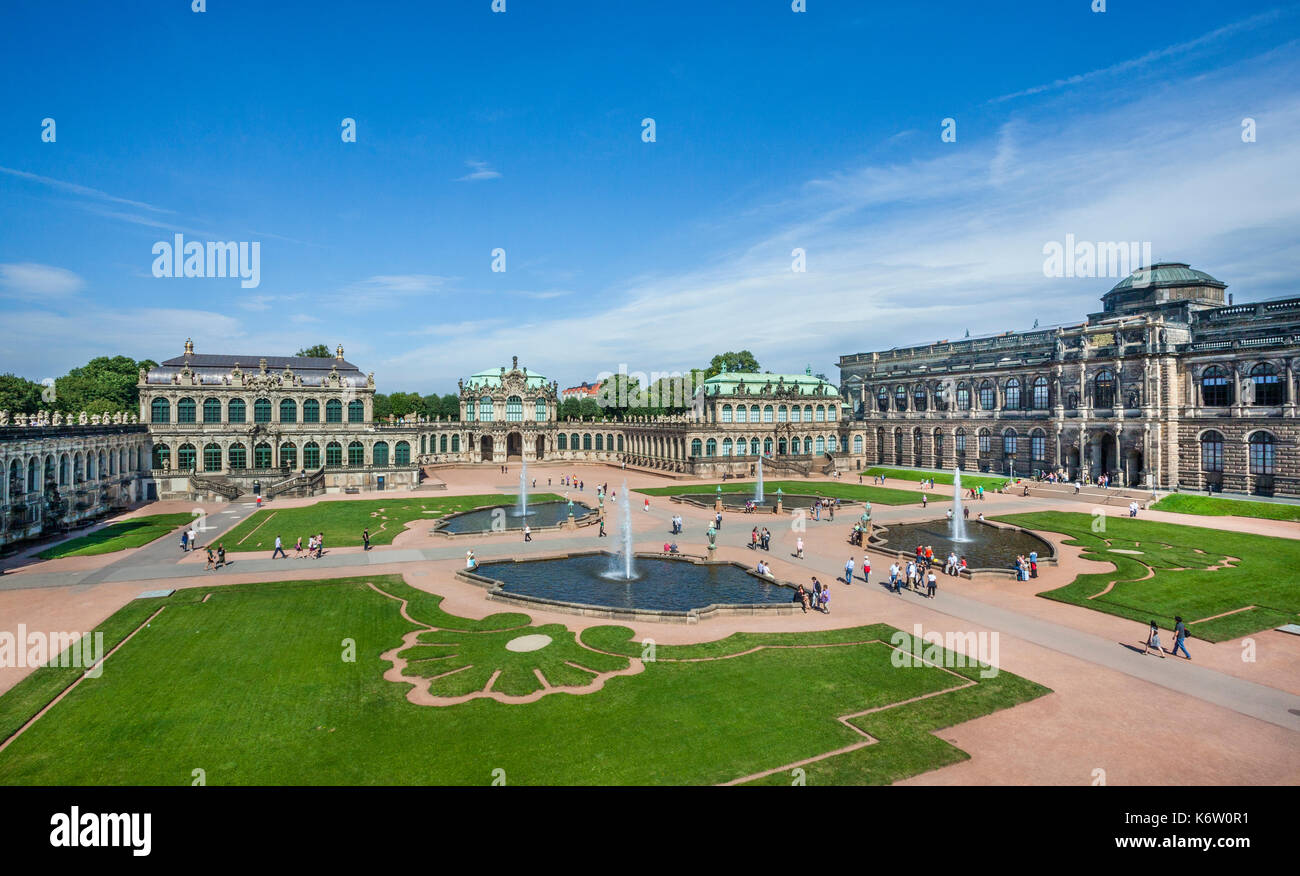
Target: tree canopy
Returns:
[319, 351]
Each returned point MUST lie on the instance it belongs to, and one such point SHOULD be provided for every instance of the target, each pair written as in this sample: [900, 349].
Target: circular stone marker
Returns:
[535, 642]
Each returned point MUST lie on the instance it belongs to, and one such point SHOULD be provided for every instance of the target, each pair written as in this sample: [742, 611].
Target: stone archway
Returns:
[539, 451]
[514, 446]
[486, 452]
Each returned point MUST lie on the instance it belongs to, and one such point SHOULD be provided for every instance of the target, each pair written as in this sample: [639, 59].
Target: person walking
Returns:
[528, 533]
[848, 571]
[925, 500]
[1153, 641]
[601, 534]
[1180, 636]
[297, 548]
[893, 577]
[866, 569]
[932, 582]
[185, 541]
[801, 597]
[221, 555]
[320, 545]
[365, 539]
[279, 549]
[194, 539]
[212, 560]
[826, 599]
[816, 593]
[798, 547]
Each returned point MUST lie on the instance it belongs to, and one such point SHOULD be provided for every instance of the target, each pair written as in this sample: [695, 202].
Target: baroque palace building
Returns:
[1168, 386]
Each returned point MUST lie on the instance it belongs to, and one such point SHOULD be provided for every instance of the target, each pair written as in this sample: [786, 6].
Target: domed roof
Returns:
[1167, 274]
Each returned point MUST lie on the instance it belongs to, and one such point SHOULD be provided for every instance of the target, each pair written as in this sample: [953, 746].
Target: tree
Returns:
[381, 407]
[319, 351]
[735, 361]
[110, 382]
[18, 395]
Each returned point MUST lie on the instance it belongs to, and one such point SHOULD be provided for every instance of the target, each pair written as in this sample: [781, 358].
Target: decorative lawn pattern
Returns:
[1224, 584]
[967, 480]
[1213, 506]
[251, 686]
[829, 489]
[118, 536]
[342, 520]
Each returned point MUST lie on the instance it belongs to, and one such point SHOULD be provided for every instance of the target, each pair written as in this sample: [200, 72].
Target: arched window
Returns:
[1267, 385]
[769, 414]
[726, 413]
[796, 414]
[310, 453]
[288, 455]
[485, 409]
[821, 444]
[767, 446]
[262, 410]
[697, 447]
[754, 414]
[857, 443]
[987, 396]
[1009, 442]
[514, 409]
[984, 437]
[356, 411]
[402, 453]
[541, 410]
[1013, 394]
[334, 454]
[1038, 445]
[711, 447]
[160, 411]
[600, 441]
[1216, 390]
[741, 446]
[920, 399]
[380, 453]
[442, 443]
[185, 411]
[586, 441]
[356, 455]
[562, 442]
[1212, 451]
[782, 414]
[236, 410]
[212, 410]
[832, 444]
[963, 397]
[900, 398]
[237, 457]
[333, 412]
[882, 398]
[186, 457]
[311, 411]
[65, 466]
[575, 443]
[620, 443]
[1103, 389]
[288, 410]
[753, 447]
[820, 414]
[1042, 396]
[726, 446]
[262, 454]
[455, 443]
[1262, 446]
[162, 455]
[807, 446]
[742, 414]
[211, 457]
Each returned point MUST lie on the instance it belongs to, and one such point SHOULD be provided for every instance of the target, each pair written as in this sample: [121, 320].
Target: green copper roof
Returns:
[1166, 274]
[726, 383]
[492, 377]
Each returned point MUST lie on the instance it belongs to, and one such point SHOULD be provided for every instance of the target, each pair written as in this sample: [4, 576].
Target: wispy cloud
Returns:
[83, 191]
[30, 281]
[478, 170]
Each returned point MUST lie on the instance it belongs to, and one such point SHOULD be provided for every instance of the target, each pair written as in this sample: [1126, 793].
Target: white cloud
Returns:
[30, 281]
[479, 170]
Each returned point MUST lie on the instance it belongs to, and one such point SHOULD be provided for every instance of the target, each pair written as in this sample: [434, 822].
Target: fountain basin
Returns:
[673, 588]
[989, 548]
[499, 518]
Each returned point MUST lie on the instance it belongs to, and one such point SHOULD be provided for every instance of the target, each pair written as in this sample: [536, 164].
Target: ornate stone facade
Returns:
[1168, 386]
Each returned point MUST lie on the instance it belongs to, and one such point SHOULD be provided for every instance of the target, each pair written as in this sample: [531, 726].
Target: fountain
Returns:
[958, 526]
[522, 510]
[758, 485]
[620, 565]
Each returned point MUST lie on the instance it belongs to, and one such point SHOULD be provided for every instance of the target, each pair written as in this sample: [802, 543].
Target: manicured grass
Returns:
[967, 480]
[251, 687]
[829, 489]
[1214, 506]
[118, 536]
[1178, 561]
[342, 520]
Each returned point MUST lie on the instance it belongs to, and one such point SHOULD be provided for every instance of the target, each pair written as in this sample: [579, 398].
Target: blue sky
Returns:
[478, 130]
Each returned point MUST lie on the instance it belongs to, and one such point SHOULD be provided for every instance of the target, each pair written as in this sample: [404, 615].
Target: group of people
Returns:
[819, 597]
[677, 524]
[866, 570]
[189, 540]
[919, 575]
[670, 547]
[760, 539]
[855, 536]
[315, 546]
[216, 559]
[829, 504]
[1180, 639]
[1027, 567]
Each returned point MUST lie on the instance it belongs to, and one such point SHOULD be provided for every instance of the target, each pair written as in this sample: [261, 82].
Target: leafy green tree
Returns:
[381, 407]
[319, 351]
[111, 381]
[735, 361]
[18, 395]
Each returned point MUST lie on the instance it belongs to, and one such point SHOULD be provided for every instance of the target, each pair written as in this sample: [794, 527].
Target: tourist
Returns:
[753, 539]
[848, 571]
[948, 513]
[929, 555]
[866, 569]
[185, 541]
[893, 577]
[320, 545]
[767, 539]
[665, 547]
[297, 548]
[801, 597]
[647, 503]
[672, 547]
[601, 534]
[1180, 636]
[212, 559]
[950, 567]
[1153, 641]
[365, 539]
[932, 583]
[194, 538]
[817, 510]
[760, 569]
[816, 593]
[470, 562]
[963, 564]
[826, 599]
[528, 533]
[221, 554]
[965, 513]
[980, 518]
[925, 500]
[1133, 509]
[1033, 564]
[717, 520]
[798, 547]
[912, 574]
[279, 549]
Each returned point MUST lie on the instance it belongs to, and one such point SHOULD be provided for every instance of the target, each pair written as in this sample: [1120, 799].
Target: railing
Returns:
[220, 486]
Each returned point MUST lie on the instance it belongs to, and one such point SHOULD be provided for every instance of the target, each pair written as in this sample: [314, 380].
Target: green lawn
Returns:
[1178, 560]
[967, 480]
[342, 520]
[829, 489]
[250, 687]
[1213, 506]
[118, 536]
